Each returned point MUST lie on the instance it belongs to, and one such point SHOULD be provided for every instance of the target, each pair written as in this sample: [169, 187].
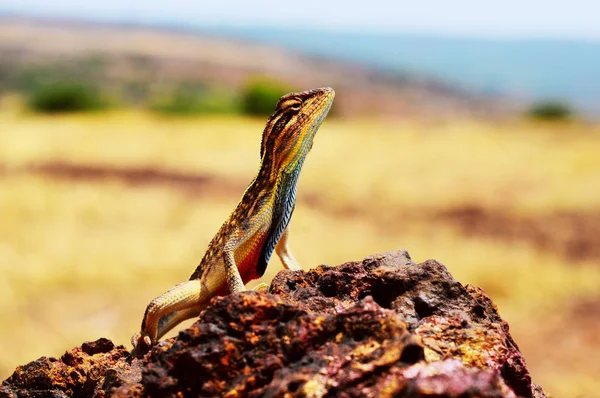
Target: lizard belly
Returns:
[247, 257]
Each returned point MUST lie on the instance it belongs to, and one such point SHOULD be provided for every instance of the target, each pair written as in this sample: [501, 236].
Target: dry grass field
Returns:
[100, 213]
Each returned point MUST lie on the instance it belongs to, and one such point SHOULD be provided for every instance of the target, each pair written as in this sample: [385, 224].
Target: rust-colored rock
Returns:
[380, 327]
[94, 369]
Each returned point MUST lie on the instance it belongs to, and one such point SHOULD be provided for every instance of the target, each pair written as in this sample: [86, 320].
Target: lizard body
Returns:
[259, 225]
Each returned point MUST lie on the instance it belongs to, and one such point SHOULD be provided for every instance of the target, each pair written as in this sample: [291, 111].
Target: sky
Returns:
[475, 18]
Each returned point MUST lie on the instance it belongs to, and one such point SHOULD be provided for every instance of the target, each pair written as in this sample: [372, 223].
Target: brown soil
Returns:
[573, 235]
[189, 183]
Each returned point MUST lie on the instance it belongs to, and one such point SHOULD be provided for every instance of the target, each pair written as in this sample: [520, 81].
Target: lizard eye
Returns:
[292, 104]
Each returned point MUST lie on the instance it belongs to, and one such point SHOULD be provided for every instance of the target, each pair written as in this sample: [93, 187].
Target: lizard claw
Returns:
[262, 287]
[141, 343]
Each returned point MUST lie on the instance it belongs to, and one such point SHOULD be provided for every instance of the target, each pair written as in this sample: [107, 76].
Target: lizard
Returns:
[259, 225]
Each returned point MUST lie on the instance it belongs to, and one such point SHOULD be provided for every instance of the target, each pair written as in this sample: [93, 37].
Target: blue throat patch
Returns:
[285, 201]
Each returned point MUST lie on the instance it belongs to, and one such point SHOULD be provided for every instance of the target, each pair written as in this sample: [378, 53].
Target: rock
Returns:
[380, 327]
[90, 370]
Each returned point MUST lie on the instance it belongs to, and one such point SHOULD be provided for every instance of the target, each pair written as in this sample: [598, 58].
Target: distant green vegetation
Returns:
[260, 96]
[84, 85]
[550, 111]
[58, 87]
[257, 98]
[196, 100]
[63, 97]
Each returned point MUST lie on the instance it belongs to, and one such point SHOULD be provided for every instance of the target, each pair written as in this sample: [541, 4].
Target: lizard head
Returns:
[289, 133]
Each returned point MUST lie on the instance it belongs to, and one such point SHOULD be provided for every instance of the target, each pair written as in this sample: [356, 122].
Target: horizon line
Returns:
[198, 26]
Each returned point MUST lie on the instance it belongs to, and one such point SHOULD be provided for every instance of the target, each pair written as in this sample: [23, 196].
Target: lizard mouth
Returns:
[318, 111]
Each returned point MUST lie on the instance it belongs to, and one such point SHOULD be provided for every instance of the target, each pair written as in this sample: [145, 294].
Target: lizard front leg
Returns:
[234, 279]
[283, 251]
[285, 255]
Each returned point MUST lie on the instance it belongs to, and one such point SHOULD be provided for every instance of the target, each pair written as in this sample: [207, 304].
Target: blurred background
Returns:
[462, 131]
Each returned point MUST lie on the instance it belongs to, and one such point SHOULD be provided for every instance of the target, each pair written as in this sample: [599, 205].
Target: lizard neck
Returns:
[282, 202]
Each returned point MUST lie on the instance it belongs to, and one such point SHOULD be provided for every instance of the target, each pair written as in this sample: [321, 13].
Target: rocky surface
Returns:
[380, 327]
[94, 369]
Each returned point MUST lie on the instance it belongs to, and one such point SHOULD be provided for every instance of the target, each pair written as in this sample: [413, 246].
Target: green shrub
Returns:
[62, 97]
[550, 111]
[196, 100]
[29, 80]
[260, 96]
